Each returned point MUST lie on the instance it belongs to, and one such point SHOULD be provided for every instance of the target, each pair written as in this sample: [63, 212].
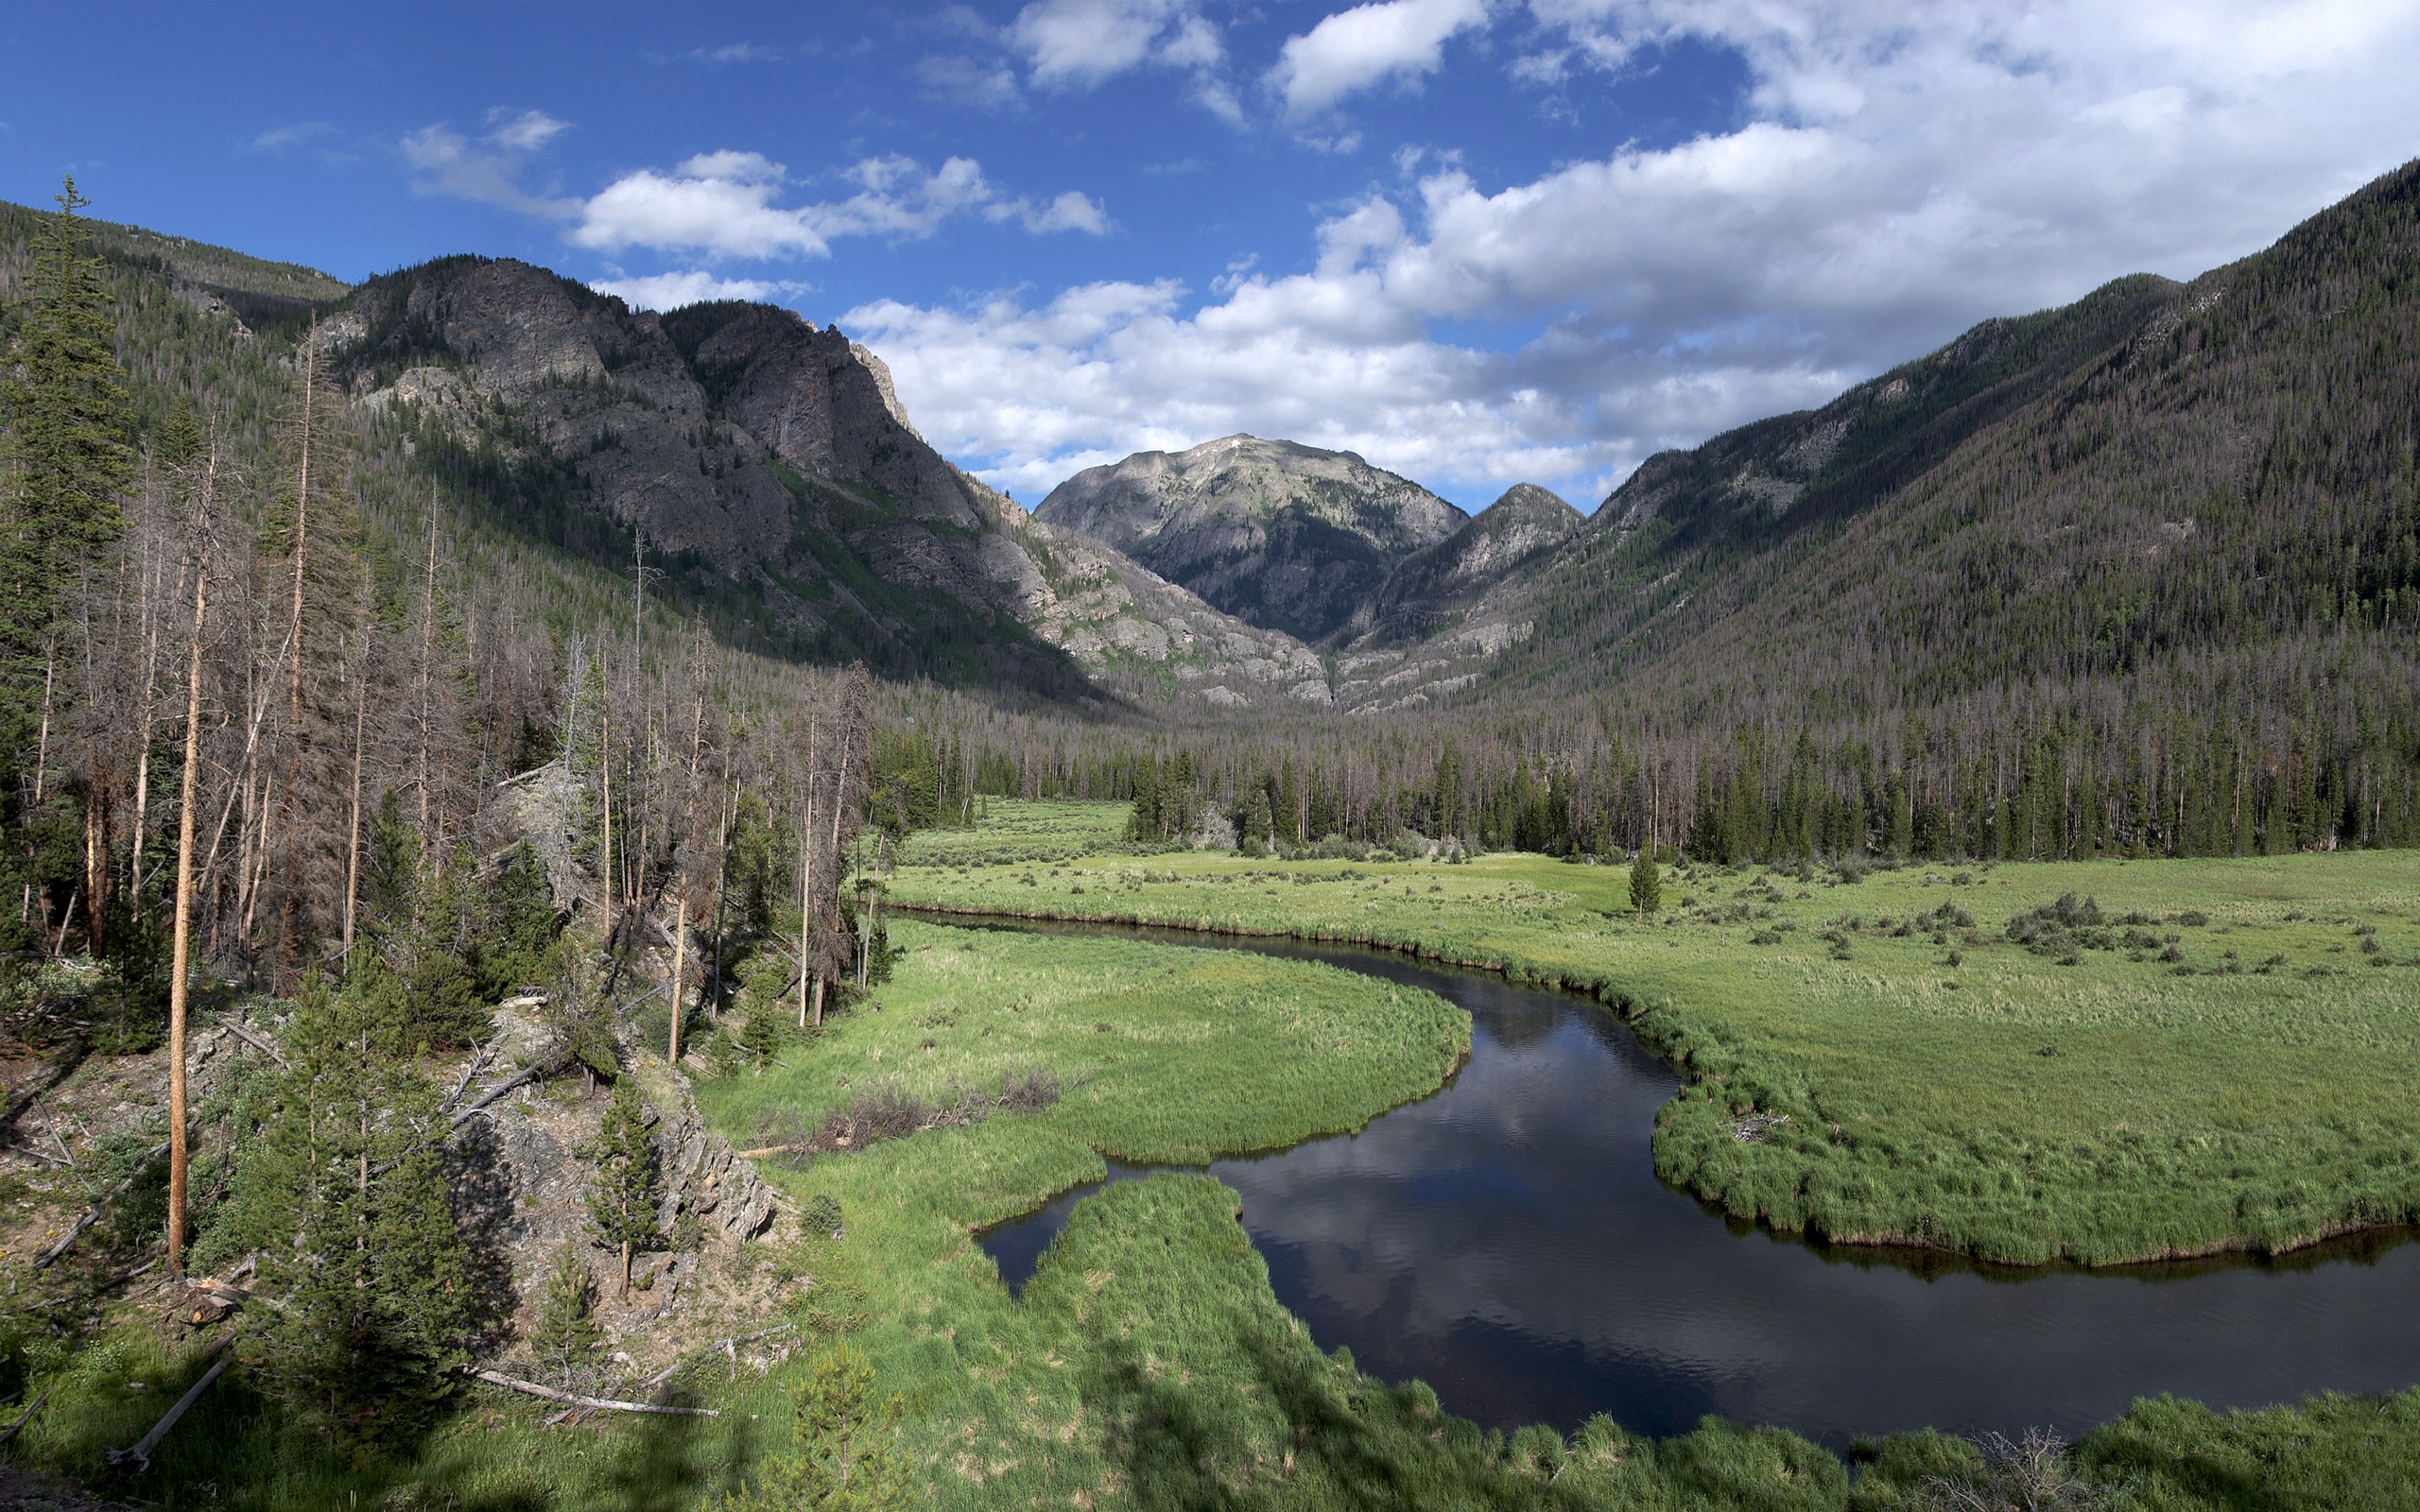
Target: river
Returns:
[1506, 1240]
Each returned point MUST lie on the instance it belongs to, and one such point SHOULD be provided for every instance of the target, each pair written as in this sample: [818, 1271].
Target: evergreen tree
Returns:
[566, 1330]
[623, 1203]
[844, 1454]
[1645, 884]
[342, 1194]
[66, 408]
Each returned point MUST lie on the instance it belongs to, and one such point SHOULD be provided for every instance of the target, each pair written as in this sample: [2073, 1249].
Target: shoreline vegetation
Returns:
[2128, 1084]
[1148, 1363]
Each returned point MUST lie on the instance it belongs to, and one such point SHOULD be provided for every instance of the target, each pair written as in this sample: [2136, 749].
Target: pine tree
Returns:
[844, 1454]
[344, 1195]
[622, 1204]
[566, 1330]
[66, 408]
[1645, 884]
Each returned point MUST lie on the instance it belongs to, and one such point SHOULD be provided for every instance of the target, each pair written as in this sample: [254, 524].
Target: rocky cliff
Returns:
[1288, 536]
[766, 466]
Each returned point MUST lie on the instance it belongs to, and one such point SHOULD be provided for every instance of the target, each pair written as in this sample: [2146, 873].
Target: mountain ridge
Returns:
[1280, 534]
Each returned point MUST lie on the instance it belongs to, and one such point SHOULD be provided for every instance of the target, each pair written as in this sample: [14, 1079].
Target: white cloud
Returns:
[735, 52]
[488, 167]
[696, 207]
[301, 133]
[670, 291]
[1079, 45]
[1368, 44]
[1070, 212]
[1898, 175]
[724, 205]
[951, 79]
[526, 133]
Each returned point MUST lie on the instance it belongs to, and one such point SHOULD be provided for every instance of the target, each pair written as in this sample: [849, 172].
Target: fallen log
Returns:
[498, 1377]
[140, 1455]
[48, 1256]
[267, 1047]
[27, 1416]
[494, 1093]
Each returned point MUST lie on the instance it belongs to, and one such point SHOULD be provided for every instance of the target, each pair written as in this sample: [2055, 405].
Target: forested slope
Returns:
[2147, 568]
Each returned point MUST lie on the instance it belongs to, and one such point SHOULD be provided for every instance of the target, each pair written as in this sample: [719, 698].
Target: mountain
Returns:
[1429, 590]
[1284, 536]
[766, 469]
[2158, 474]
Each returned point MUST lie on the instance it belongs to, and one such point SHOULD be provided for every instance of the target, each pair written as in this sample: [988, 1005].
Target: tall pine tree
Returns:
[68, 456]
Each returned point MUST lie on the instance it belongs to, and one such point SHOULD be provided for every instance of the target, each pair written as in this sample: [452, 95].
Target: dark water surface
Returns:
[1506, 1240]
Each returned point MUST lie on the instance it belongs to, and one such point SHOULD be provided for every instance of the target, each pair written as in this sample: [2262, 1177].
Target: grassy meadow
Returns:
[1147, 1365]
[2220, 1053]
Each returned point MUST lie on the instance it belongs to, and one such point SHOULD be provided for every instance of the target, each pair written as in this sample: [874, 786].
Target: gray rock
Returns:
[1286, 537]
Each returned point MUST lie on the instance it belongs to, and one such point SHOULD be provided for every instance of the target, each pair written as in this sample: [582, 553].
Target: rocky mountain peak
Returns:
[1281, 535]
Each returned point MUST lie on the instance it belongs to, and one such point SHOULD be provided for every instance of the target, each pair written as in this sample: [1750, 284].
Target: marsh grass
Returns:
[1149, 1365]
[2197, 1059]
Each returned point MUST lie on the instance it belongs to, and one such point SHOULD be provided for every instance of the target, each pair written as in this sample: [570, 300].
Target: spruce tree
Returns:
[622, 1204]
[844, 1454]
[342, 1194]
[566, 1330]
[1645, 884]
[67, 425]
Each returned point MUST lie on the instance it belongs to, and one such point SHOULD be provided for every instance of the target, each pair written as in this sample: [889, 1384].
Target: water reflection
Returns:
[1506, 1240]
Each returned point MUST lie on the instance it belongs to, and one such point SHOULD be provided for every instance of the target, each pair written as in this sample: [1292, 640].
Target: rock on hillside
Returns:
[775, 479]
[1288, 536]
[1431, 588]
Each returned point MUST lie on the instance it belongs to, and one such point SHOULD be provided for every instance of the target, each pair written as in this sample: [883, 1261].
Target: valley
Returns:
[576, 875]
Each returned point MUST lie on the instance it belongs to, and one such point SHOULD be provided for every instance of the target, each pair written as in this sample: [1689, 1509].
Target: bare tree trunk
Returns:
[807, 891]
[142, 717]
[679, 968]
[839, 803]
[605, 806]
[352, 833]
[41, 769]
[180, 950]
[427, 676]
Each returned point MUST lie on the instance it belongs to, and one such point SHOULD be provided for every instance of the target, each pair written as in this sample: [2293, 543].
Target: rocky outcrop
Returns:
[1433, 589]
[1288, 536]
[768, 465]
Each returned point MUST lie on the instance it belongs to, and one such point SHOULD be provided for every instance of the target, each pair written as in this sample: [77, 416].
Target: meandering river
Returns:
[1506, 1240]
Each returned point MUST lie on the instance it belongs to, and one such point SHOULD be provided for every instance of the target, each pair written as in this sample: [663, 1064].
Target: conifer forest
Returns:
[560, 908]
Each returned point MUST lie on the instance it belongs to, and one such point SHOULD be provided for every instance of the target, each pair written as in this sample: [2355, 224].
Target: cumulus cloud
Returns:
[488, 167]
[725, 204]
[1897, 177]
[1079, 45]
[1394, 40]
[670, 291]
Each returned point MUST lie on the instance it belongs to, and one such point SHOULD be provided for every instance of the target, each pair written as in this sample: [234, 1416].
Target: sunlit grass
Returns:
[2008, 1105]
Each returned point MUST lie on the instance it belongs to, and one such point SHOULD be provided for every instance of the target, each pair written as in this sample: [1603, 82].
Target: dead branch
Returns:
[498, 1377]
[27, 1416]
[267, 1047]
[141, 1453]
[48, 1257]
[526, 1074]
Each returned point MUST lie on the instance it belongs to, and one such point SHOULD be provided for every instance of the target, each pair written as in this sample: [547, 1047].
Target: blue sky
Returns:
[1479, 241]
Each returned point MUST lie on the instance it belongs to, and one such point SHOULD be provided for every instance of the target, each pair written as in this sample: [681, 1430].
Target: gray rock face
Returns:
[770, 466]
[1286, 537]
[1432, 589]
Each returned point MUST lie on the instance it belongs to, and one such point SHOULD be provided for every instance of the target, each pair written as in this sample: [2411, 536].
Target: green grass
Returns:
[2009, 1105]
[1047, 830]
[1147, 1365]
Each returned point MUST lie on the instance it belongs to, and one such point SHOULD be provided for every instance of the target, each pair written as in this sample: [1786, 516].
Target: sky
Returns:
[1480, 242]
